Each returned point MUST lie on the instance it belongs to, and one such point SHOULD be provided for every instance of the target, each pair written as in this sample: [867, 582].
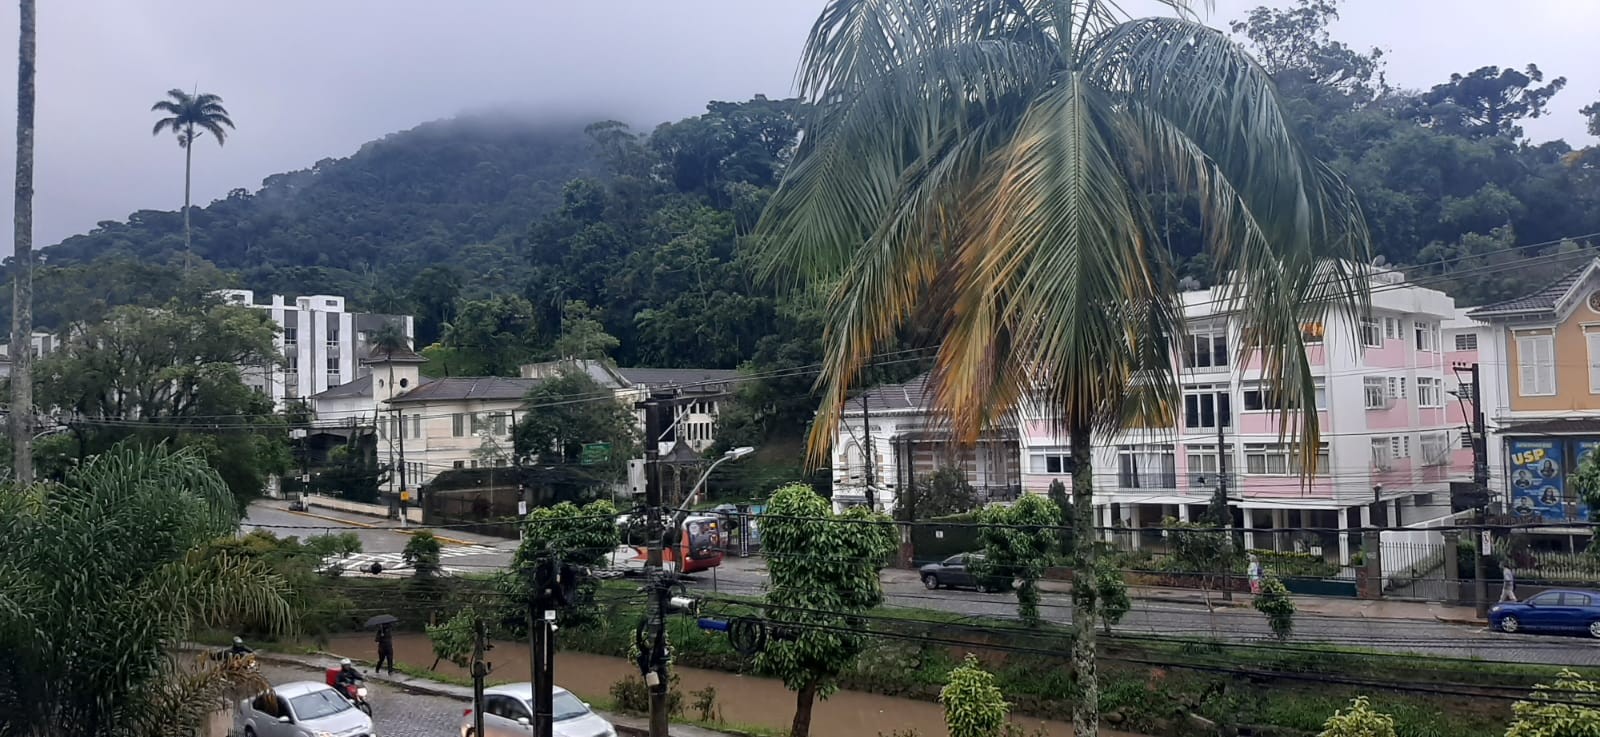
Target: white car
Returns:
[508, 712]
[303, 709]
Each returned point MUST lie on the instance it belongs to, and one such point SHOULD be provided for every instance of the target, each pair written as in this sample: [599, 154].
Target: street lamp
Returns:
[688, 501]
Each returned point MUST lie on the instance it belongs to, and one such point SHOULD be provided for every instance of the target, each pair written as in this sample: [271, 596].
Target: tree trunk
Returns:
[1086, 711]
[188, 162]
[803, 701]
[22, 262]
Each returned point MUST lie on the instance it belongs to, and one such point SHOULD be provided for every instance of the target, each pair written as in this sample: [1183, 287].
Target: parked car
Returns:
[303, 709]
[1550, 611]
[955, 572]
[508, 712]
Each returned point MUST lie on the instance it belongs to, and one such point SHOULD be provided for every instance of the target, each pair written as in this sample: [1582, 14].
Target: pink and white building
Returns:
[1387, 406]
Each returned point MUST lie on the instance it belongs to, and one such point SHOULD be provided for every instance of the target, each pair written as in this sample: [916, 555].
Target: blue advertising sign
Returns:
[1537, 481]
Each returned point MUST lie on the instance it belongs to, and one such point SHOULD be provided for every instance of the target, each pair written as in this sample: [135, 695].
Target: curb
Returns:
[1469, 621]
[341, 520]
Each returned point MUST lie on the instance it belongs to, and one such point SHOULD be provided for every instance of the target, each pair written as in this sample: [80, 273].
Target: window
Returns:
[1272, 459]
[499, 424]
[458, 425]
[1426, 338]
[1205, 406]
[458, 464]
[1536, 365]
[1435, 448]
[1371, 337]
[1202, 464]
[1391, 328]
[1570, 598]
[1311, 332]
[1467, 342]
[1591, 336]
[1429, 392]
[291, 335]
[1397, 387]
[1146, 467]
[416, 426]
[1400, 446]
[1205, 350]
[1049, 459]
[291, 361]
[1464, 391]
[1376, 391]
[1549, 598]
[1466, 440]
[1382, 459]
[1261, 398]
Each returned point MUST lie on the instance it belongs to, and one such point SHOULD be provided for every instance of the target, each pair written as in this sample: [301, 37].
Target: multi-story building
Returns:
[1540, 355]
[1389, 443]
[44, 344]
[702, 392]
[323, 345]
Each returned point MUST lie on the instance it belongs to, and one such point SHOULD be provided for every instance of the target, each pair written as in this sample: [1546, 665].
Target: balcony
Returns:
[1208, 480]
[1166, 480]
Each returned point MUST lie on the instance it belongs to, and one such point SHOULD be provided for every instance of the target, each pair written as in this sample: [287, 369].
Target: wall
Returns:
[413, 512]
[1572, 367]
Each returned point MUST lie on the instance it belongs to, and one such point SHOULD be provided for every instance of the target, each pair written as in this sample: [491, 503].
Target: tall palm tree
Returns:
[988, 163]
[22, 260]
[88, 627]
[191, 116]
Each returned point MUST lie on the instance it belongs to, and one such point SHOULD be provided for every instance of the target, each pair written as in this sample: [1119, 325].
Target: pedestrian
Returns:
[385, 648]
[1508, 581]
[1256, 574]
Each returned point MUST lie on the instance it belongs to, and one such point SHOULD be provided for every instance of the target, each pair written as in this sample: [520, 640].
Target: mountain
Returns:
[461, 191]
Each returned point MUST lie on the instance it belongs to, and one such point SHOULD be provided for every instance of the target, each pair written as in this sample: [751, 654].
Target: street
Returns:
[395, 713]
[1167, 619]
[380, 542]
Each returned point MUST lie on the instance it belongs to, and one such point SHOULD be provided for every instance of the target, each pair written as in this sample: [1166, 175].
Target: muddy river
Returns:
[742, 699]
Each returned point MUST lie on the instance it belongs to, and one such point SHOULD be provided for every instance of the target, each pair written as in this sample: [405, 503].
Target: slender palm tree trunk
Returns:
[22, 291]
[1086, 711]
[188, 166]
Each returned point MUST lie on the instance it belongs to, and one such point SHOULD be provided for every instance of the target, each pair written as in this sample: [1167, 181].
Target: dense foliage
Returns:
[1018, 543]
[1570, 707]
[563, 417]
[579, 536]
[973, 704]
[1358, 720]
[103, 574]
[819, 598]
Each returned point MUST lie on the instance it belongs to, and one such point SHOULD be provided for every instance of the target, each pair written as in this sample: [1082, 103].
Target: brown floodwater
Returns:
[742, 699]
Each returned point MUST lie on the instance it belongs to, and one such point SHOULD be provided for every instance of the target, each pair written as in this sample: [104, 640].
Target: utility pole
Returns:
[541, 644]
[871, 455]
[400, 421]
[1480, 484]
[653, 664]
[1224, 514]
[480, 671]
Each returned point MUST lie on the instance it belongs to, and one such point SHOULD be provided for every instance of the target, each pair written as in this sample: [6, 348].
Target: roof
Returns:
[298, 688]
[891, 397]
[683, 377]
[1576, 425]
[522, 690]
[403, 355]
[469, 388]
[1548, 299]
[361, 387]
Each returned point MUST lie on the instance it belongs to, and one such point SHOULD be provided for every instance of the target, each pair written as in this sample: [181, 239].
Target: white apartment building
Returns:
[1390, 441]
[323, 345]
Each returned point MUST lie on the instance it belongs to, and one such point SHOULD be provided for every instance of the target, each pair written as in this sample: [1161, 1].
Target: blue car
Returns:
[1550, 611]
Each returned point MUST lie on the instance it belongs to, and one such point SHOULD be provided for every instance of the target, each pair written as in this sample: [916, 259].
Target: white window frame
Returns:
[1397, 387]
[1430, 392]
[1376, 392]
[458, 425]
[1382, 457]
[1391, 328]
[1219, 394]
[1277, 459]
[1427, 339]
[1435, 448]
[1040, 457]
[1536, 365]
[1320, 396]
[1214, 341]
[1371, 332]
[1591, 339]
[1466, 341]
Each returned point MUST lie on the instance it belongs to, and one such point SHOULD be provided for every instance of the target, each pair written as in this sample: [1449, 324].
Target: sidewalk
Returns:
[1328, 606]
[627, 725]
[378, 520]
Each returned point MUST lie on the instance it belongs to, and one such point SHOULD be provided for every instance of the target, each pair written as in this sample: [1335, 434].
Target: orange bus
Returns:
[699, 548]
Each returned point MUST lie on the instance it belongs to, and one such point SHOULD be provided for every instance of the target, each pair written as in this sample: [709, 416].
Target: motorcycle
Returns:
[249, 658]
[356, 694]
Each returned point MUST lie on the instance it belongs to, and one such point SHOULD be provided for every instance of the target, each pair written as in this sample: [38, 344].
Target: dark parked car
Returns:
[955, 572]
[1550, 611]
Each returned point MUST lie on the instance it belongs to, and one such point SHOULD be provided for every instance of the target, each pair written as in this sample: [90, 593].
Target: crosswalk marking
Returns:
[358, 561]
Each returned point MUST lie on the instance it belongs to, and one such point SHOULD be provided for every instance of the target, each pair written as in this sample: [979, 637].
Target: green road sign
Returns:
[595, 453]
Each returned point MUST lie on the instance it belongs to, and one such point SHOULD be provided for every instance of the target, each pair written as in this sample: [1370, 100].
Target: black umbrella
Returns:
[381, 619]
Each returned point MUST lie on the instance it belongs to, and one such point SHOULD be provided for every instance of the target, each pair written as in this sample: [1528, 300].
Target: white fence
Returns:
[1416, 551]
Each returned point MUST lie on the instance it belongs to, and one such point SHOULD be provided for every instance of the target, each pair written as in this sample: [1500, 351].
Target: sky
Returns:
[312, 79]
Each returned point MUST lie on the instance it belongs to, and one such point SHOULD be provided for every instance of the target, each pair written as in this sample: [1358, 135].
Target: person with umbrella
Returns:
[385, 639]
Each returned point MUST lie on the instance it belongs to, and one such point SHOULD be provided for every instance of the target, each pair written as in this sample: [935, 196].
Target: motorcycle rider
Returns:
[239, 649]
[348, 678]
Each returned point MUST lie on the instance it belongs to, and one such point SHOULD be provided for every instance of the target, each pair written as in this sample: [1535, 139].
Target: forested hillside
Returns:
[494, 231]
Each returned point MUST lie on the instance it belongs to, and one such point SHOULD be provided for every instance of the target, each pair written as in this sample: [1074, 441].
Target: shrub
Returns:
[1359, 720]
[1274, 602]
[973, 704]
[452, 640]
[1570, 707]
[632, 695]
[422, 553]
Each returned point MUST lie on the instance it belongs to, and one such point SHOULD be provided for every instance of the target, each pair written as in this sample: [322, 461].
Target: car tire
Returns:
[249, 731]
[1509, 624]
[982, 588]
[1594, 629]
[930, 582]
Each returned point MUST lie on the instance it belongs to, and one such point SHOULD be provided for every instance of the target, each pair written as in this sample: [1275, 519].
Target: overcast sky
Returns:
[308, 79]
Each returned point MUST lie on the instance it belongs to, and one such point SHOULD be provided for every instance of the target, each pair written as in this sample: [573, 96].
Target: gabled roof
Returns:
[683, 377]
[361, 387]
[892, 397]
[468, 389]
[1547, 300]
[403, 355]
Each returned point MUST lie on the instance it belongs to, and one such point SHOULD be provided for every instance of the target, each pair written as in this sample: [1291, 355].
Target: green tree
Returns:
[993, 174]
[943, 492]
[973, 704]
[1274, 602]
[579, 536]
[1570, 707]
[583, 336]
[453, 639]
[21, 423]
[1018, 543]
[1358, 720]
[1490, 101]
[1111, 594]
[819, 597]
[190, 116]
[422, 553]
[173, 376]
[88, 652]
[568, 412]
[487, 337]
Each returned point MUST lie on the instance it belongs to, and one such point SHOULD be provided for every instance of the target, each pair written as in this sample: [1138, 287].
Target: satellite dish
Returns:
[1380, 260]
